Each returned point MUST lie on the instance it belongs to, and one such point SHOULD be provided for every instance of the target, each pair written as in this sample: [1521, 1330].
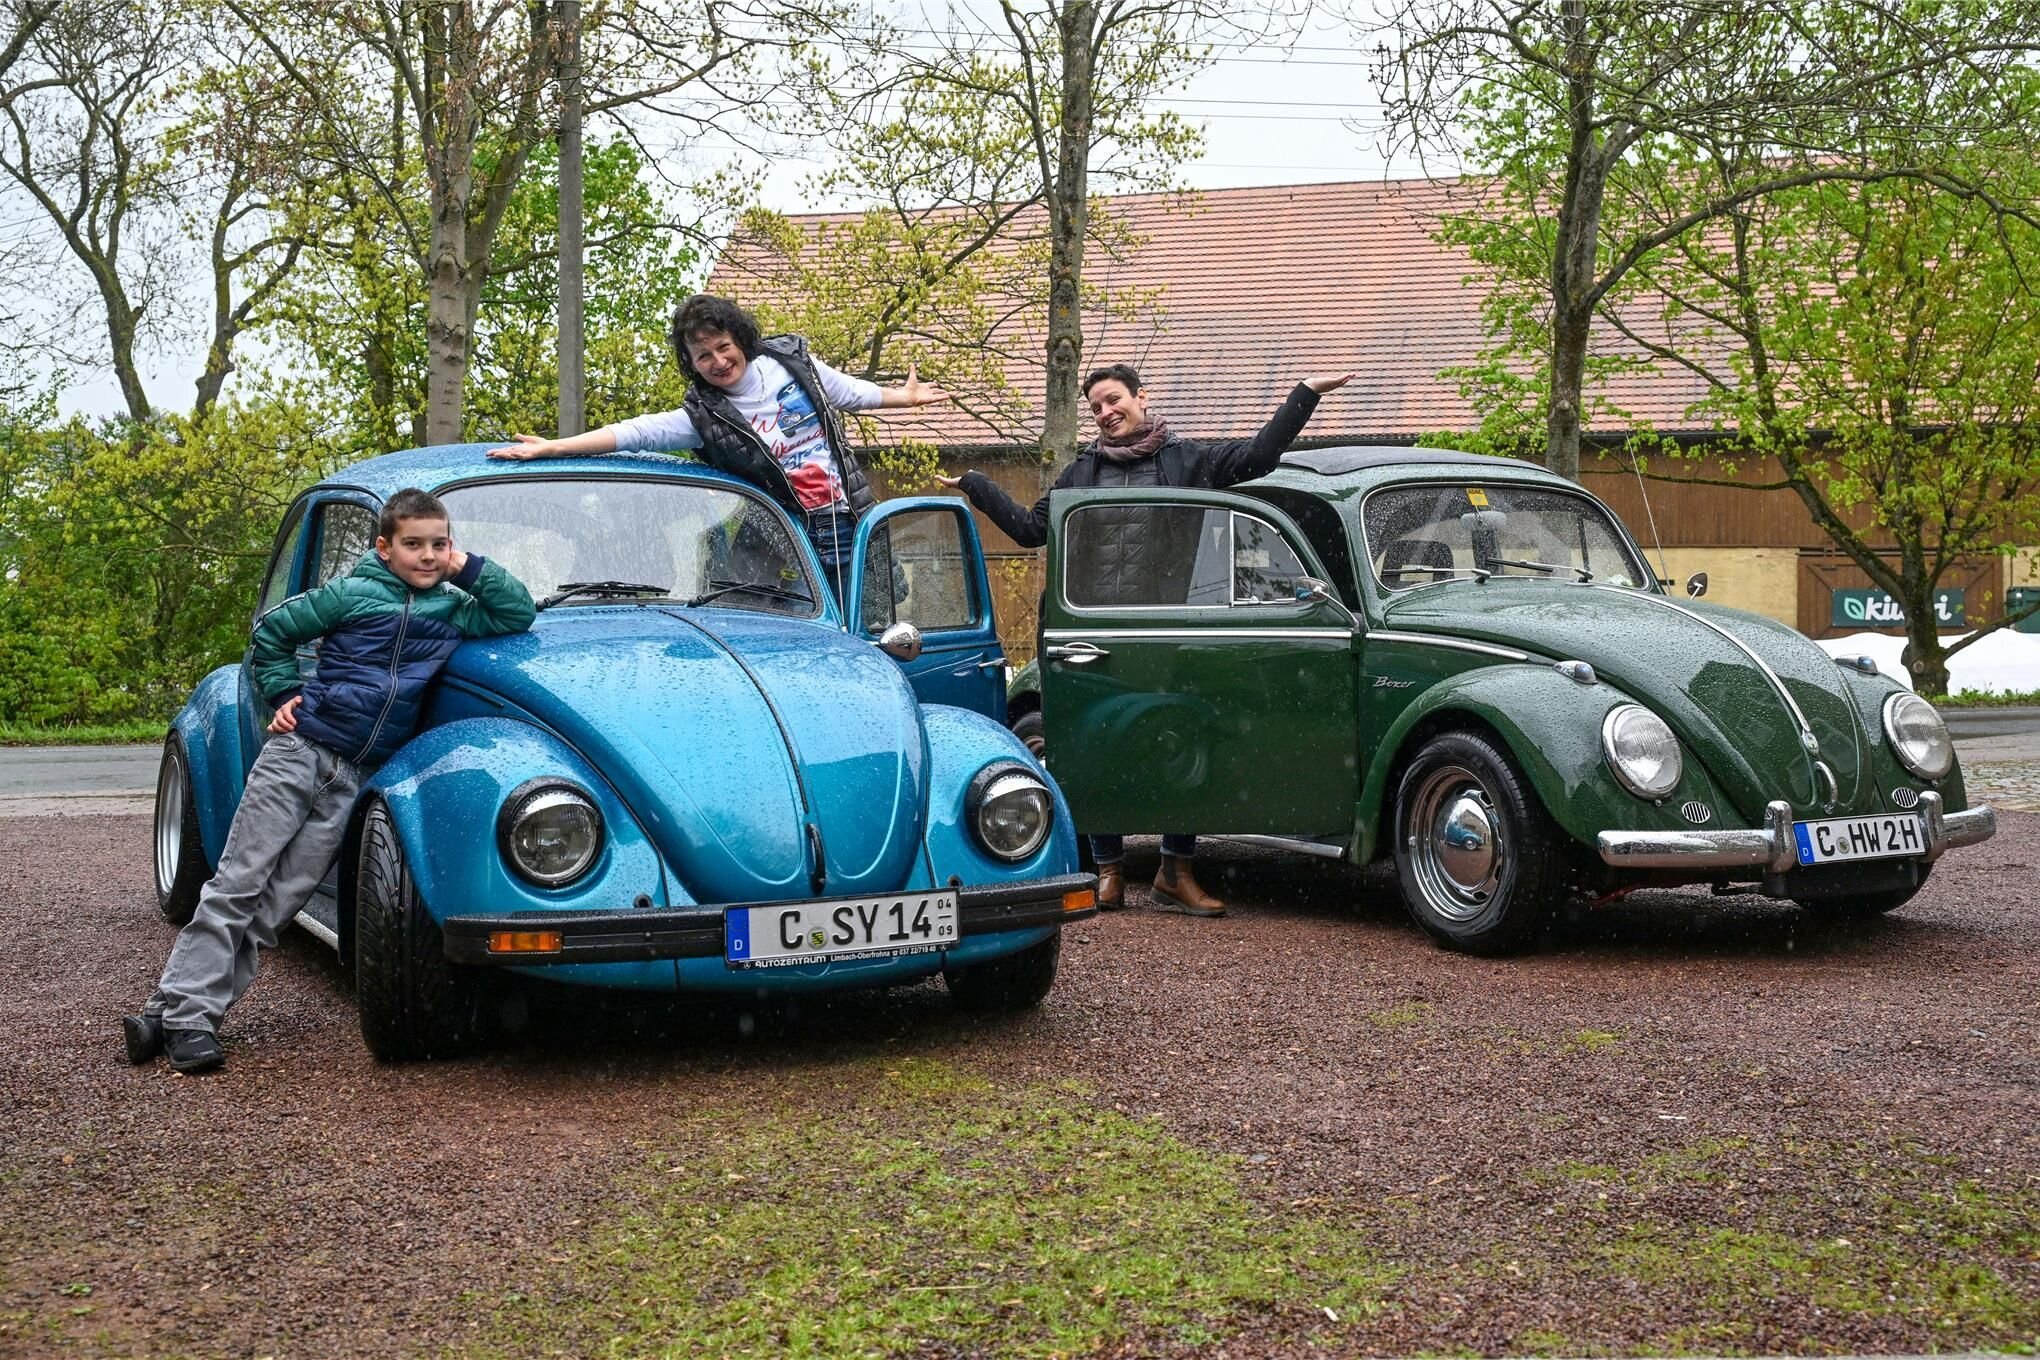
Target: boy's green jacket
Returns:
[381, 643]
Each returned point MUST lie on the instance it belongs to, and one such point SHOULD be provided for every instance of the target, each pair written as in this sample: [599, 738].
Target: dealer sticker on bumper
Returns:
[1882, 837]
[840, 929]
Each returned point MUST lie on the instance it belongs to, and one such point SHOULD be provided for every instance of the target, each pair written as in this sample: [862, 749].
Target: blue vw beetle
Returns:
[690, 775]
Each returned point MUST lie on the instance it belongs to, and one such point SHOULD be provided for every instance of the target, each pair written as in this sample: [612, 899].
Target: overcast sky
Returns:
[1302, 113]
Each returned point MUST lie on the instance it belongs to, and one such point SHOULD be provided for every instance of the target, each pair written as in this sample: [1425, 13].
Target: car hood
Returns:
[1685, 659]
[729, 735]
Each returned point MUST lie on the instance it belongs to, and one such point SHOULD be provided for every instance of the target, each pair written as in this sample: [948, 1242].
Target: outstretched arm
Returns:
[538, 446]
[1028, 528]
[1241, 460]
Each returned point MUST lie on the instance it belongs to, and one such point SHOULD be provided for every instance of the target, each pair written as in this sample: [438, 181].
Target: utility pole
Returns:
[572, 359]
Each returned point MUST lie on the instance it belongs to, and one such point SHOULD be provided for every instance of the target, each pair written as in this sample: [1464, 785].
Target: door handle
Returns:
[1076, 653]
[997, 663]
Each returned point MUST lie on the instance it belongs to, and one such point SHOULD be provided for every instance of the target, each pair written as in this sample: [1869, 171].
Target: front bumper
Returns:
[1771, 847]
[634, 936]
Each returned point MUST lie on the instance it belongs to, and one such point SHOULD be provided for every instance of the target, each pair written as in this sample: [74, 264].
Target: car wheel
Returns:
[414, 1002]
[1481, 863]
[179, 854]
[1864, 905]
[1033, 735]
[1012, 983]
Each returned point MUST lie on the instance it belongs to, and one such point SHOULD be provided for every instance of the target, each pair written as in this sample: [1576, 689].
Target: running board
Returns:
[318, 929]
[1322, 849]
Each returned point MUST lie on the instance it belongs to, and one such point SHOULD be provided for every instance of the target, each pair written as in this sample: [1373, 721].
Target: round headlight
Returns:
[551, 834]
[1918, 736]
[1011, 811]
[1642, 751]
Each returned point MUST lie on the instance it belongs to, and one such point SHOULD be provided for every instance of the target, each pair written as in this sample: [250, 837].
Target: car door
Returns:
[1196, 692]
[918, 561]
[322, 537]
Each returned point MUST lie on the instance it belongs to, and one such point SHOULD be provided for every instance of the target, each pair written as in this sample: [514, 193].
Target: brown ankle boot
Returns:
[1175, 884]
[1111, 886]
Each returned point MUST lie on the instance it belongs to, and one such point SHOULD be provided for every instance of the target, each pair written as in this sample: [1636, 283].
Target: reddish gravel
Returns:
[309, 1202]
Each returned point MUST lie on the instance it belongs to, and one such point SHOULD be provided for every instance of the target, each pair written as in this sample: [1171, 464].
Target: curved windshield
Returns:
[1417, 535]
[683, 541]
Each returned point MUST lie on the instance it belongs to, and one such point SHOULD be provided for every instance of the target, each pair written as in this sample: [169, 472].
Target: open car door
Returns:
[918, 562]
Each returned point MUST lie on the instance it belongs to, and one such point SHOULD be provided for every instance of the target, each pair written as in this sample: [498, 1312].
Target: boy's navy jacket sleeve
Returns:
[298, 620]
[496, 602]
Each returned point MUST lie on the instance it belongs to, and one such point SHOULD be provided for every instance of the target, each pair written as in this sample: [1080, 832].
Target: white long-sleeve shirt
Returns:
[783, 418]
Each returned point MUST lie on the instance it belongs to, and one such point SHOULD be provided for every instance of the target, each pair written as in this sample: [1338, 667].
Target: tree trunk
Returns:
[573, 375]
[1068, 218]
[1926, 661]
[1573, 257]
[449, 147]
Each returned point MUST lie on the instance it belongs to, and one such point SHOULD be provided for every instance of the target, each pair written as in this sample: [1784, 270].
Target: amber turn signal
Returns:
[1083, 899]
[524, 942]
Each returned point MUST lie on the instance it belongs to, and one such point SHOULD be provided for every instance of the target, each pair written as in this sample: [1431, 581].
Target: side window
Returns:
[282, 566]
[917, 570]
[346, 531]
[1148, 557]
[1265, 567]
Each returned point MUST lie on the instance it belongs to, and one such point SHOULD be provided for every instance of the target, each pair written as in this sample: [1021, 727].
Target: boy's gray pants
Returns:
[285, 834]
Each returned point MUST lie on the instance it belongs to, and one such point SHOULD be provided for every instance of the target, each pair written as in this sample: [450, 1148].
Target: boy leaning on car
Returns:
[385, 630]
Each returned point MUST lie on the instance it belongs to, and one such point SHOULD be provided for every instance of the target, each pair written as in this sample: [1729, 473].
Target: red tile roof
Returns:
[1260, 287]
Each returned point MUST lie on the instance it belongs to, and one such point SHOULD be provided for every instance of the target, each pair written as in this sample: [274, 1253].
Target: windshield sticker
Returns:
[1476, 498]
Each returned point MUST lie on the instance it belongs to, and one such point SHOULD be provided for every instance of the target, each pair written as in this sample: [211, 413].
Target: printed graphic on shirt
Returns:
[795, 435]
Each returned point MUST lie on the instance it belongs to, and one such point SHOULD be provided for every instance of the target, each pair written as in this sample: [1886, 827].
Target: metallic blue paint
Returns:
[956, 665]
[212, 741]
[712, 739]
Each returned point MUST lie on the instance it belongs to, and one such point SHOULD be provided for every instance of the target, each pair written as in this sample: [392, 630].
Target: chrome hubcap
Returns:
[1454, 842]
[169, 822]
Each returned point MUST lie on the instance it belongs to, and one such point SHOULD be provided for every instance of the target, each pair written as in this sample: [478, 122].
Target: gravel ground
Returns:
[309, 1202]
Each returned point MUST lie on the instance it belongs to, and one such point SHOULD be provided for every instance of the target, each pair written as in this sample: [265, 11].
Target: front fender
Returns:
[210, 725]
[444, 789]
[960, 743]
[1551, 726]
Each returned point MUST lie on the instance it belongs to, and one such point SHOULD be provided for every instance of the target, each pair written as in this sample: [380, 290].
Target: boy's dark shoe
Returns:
[193, 1050]
[144, 1036]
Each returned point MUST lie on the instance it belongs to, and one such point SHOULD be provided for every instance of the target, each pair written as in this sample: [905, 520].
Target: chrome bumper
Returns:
[1771, 846]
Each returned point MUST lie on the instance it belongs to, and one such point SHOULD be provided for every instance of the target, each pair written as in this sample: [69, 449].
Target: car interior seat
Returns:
[1413, 552]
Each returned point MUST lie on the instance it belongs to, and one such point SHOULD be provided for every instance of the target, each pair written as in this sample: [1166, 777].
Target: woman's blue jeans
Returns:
[1112, 849]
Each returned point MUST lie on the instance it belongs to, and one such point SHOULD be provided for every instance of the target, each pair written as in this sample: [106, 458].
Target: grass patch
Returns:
[1747, 1233]
[1977, 698]
[84, 734]
[1401, 1016]
[1593, 1040]
[935, 1214]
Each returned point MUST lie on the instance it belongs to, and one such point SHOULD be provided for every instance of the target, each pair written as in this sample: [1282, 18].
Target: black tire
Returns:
[1016, 982]
[1033, 735]
[414, 1002]
[1492, 891]
[181, 870]
[1862, 906]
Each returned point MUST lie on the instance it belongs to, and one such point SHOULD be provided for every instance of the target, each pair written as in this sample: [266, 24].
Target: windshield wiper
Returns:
[718, 589]
[1546, 567]
[600, 589]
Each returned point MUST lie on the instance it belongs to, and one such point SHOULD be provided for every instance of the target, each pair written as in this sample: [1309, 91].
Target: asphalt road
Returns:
[58, 780]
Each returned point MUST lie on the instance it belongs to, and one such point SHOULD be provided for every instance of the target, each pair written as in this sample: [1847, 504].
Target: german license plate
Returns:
[1882, 837]
[835, 929]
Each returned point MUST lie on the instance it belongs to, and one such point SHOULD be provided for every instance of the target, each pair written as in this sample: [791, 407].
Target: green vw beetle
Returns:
[1466, 663]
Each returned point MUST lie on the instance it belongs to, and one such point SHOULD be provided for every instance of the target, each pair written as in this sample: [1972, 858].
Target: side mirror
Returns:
[1310, 590]
[1696, 584]
[902, 642]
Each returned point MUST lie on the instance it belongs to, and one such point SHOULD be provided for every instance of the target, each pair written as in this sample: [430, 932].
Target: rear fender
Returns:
[1551, 728]
[210, 727]
[444, 789]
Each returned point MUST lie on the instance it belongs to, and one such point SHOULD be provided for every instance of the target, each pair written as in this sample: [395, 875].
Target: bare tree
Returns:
[1078, 77]
[97, 136]
[477, 81]
[1559, 96]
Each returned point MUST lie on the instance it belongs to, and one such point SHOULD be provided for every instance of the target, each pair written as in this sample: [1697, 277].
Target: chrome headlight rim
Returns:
[1001, 779]
[1668, 778]
[1940, 761]
[536, 795]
